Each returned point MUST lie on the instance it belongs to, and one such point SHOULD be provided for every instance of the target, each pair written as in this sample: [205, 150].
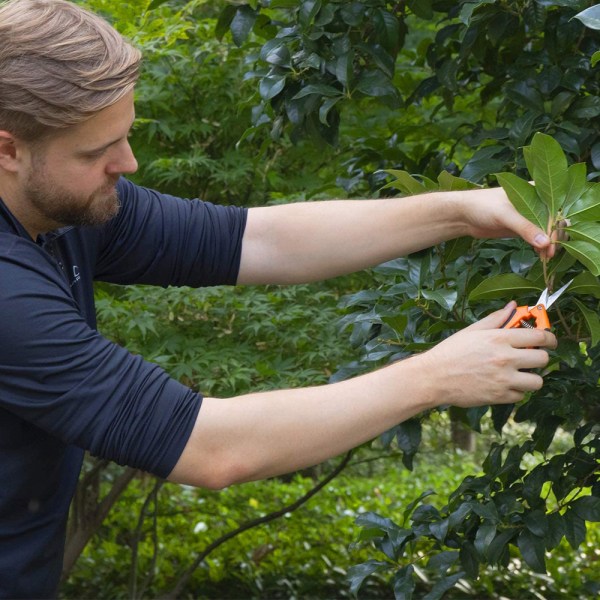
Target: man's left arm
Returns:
[309, 241]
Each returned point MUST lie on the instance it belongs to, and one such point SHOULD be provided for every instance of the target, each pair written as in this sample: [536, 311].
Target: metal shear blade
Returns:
[548, 301]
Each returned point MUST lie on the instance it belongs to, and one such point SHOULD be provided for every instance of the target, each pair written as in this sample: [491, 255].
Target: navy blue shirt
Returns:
[65, 389]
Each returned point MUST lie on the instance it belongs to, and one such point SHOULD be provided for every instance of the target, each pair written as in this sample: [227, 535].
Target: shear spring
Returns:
[527, 324]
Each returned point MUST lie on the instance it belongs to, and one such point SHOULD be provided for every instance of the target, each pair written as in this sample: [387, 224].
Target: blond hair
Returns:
[59, 65]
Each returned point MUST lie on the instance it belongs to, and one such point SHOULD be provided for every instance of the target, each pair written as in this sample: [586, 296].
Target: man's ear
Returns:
[9, 152]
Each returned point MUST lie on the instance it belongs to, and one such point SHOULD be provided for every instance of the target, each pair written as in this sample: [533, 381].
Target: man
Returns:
[68, 217]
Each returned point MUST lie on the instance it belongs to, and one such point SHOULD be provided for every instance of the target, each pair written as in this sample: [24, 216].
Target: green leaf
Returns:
[469, 559]
[524, 198]
[585, 108]
[587, 207]
[445, 298]
[590, 17]
[449, 182]
[376, 84]
[485, 161]
[443, 585]
[326, 108]
[586, 253]
[440, 563]
[318, 88]
[408, 436]
[536, 522]
[485, 536]
[271, 85]
[548, 168]
[585, 231]
[506, 285]
[358, 573]
[532, 550]
[585, 284]
[575, 528]
[499, 547]
[404, 584]
[155, 4]
[242, 24]
[595, 58]
[591, 320]
[405, 182]
[587, 507]
[576, 185]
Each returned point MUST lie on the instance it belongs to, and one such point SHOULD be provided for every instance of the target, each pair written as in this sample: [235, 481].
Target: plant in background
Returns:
[528, 498]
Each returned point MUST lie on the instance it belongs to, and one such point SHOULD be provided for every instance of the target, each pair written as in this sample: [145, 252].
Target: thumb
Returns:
[530, 232]
[496, 319]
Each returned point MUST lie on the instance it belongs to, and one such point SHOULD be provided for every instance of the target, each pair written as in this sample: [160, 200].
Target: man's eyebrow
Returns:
[99, 149]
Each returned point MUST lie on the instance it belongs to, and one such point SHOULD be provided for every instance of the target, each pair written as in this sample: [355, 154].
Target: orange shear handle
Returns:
[523, 313]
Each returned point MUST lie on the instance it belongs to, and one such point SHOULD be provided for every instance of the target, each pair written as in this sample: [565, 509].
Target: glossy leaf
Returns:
[575, 528]
[405, 182]
[586, 253]
[587, 507]
[242, 24]
[585, 284]
[576, 185]
[590, 17]
[592, 320]
[508, 286]
[404, 583]
[449, 182]
[358, 573]
[533, 550]
[271, 86]
[524, 198]
[586, 231]
[587, 207]
[547, 165]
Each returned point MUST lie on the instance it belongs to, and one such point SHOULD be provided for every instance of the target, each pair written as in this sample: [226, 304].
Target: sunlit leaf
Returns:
[547, 165]
[525, 198]
[590, 17]
[405, 182]
[449, 182]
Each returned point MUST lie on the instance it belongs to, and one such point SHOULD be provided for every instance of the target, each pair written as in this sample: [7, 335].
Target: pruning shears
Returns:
[523, 315]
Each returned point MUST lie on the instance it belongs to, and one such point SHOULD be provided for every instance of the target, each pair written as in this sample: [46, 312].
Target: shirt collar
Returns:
[10, 224]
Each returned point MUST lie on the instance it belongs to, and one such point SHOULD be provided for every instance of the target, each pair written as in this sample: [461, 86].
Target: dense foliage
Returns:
[258, 102]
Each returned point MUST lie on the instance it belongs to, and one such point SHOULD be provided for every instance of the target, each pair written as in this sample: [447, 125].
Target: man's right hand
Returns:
[484, 364]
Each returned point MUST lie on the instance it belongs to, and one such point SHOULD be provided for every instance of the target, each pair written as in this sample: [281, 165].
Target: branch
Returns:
[174, 593]
[82, 534]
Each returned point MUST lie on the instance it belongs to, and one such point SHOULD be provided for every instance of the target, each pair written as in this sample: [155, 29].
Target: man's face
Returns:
[70, 179]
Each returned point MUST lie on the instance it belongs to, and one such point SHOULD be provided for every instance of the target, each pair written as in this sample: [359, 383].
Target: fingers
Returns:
[520, 337]
[496, 319]
[530, 338]
[527, 382]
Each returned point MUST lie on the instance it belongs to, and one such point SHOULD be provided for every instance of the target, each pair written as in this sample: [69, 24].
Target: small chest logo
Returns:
[76, 275]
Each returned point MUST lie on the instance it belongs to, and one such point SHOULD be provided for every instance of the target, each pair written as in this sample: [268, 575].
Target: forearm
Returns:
[269, 433]
[308, 241]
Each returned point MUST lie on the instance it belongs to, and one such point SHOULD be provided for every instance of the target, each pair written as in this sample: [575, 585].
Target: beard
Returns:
[62, 207]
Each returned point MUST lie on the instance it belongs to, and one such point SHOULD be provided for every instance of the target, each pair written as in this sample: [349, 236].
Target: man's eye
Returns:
[94, 155]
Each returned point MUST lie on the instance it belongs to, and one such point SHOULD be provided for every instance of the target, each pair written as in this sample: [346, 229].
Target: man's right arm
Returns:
[269, 433]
